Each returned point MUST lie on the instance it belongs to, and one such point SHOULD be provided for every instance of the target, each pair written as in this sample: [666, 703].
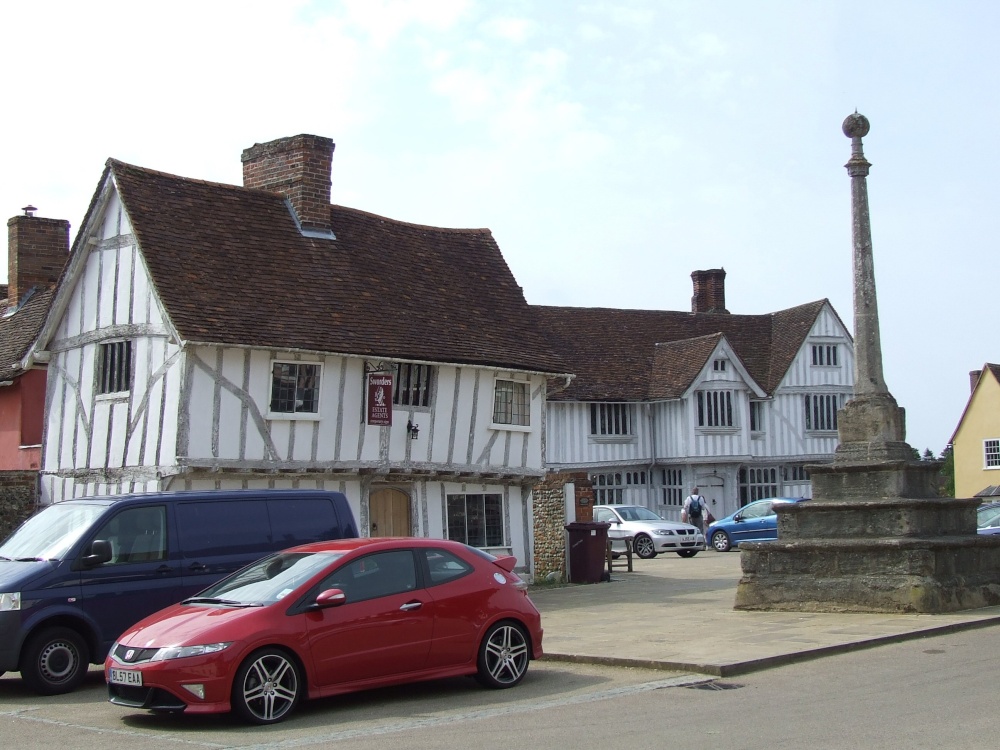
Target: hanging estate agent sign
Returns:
[380, 399]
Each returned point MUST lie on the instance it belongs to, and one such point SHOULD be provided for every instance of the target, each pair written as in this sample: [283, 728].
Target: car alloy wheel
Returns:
[267, 687]
[644, 547]
[503, 656]
[720, 540]
[55, 661]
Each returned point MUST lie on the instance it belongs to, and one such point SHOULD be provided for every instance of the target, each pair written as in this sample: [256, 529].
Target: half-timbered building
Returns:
[217, 336]
[662, 401]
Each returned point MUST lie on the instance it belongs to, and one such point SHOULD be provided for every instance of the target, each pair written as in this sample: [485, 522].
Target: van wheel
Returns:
[55, 661]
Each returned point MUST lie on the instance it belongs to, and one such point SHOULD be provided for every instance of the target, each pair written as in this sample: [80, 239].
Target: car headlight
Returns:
[180, 652]
[665, 532]
[10, 602]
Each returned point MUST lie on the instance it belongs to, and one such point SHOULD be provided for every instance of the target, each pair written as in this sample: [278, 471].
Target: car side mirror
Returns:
[100, 552]
[330, 598]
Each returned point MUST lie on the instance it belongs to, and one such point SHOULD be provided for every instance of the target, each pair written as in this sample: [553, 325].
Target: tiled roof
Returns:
[18, 331]
[615, 356]
[232, 268]
[677, 363]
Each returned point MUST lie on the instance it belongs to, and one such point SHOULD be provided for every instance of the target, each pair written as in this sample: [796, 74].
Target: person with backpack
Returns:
[695, 509]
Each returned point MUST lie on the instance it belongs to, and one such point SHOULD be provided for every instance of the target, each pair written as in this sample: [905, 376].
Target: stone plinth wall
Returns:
[549, 521]
[900, 575]
[896, 517]
[18, 493]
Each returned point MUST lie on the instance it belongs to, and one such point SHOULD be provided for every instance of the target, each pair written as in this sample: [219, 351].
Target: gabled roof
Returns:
[994, 370]
[19, 330]
[677, 363]
[231, 267]
[615, 356]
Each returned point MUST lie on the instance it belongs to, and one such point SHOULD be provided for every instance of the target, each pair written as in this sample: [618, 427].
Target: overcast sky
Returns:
[612, 147]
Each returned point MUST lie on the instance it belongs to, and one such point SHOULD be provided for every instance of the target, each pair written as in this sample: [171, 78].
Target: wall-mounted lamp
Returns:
[412, 429]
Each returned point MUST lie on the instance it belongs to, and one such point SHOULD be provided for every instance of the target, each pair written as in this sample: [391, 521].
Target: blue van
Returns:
[78, 573]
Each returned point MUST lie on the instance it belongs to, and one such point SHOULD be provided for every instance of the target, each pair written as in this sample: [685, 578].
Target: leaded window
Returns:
[511, 403]
[294, 388]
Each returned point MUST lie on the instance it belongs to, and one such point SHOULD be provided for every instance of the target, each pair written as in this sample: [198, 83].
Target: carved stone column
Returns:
[876, 536]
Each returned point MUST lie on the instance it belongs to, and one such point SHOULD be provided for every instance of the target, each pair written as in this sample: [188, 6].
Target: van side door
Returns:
[218, 537]
[140, 578]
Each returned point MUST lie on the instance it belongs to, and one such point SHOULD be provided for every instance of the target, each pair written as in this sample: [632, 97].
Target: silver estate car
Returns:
[650, 533]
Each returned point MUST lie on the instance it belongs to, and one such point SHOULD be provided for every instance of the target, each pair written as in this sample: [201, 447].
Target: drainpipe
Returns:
[652, 457]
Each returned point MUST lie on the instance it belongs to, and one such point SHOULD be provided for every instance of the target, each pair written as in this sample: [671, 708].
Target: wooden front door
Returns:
[390, 513]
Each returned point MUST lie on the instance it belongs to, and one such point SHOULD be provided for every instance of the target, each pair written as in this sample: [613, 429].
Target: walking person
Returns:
[695, 509]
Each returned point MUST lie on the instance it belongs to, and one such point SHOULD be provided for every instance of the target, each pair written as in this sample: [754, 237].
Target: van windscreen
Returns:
[50, 533]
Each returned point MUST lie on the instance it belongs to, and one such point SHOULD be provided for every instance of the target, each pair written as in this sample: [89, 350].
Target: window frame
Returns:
[757, 416]
[817, 409]
[114, 367]
[825, 355]
[418, 392]
[715, 405]
[509, 409]
[496, 516]
[612, 421]
[317, 388]
[991, 452]
[673, 487]
[757, 483]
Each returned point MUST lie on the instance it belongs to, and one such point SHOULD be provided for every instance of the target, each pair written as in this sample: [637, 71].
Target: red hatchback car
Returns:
[329, 618]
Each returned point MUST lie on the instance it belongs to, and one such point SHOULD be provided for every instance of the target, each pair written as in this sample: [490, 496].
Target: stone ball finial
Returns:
[856, 126]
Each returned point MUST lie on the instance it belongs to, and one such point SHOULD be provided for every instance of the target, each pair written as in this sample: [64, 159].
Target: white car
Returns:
[650, 533]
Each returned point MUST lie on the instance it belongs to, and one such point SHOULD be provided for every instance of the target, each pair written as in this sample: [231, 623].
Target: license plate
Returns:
[126, 677]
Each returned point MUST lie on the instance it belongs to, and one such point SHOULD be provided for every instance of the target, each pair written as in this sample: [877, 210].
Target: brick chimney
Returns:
[298, 168]
[709, 291]
[37, 250]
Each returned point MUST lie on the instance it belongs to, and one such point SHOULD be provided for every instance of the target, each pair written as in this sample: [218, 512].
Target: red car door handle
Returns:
[411, 605]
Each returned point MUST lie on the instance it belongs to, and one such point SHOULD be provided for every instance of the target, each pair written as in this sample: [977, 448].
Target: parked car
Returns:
[329, 618]
[75, 575]
[754, 522]
[650, 533]
[988, 518]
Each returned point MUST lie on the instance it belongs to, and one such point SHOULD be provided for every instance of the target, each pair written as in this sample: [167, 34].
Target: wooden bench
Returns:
[627, 555]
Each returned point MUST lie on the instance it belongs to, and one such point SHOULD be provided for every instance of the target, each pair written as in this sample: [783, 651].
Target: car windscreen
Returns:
[637, 513]
[988, 517]
[50, 533]
[268, 580]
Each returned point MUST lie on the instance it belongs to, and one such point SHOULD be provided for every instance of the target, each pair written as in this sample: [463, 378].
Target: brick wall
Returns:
[549, 518]
[18, 495]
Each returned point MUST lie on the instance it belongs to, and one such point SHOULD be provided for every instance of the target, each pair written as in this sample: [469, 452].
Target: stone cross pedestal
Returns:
[876, 537]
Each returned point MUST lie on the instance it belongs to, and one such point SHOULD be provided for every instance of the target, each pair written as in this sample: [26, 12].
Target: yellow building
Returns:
[976, 442]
